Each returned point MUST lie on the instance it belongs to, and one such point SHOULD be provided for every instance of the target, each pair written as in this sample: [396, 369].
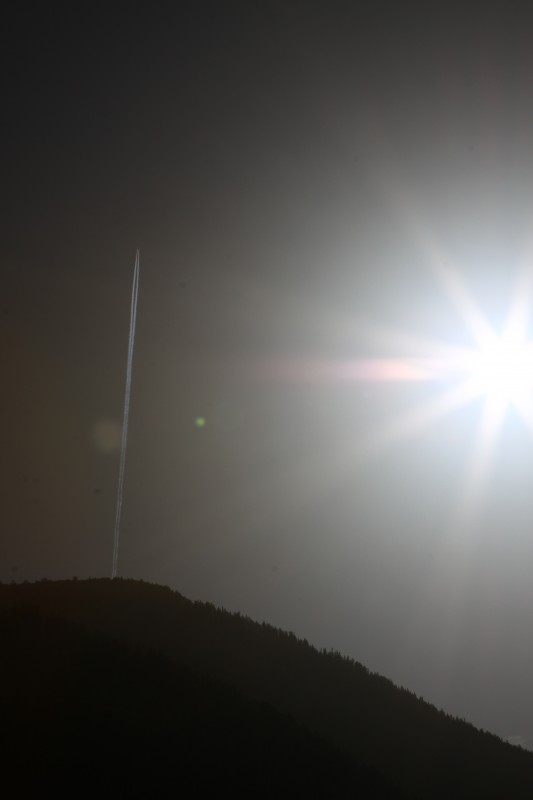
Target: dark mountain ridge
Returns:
[81, 712]
[416, 747]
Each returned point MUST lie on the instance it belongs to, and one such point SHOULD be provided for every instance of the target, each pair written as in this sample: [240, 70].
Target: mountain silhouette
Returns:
[129, 684]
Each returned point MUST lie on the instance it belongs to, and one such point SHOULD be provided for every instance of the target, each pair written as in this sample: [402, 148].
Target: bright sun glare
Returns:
[496, 368]
[503, 370]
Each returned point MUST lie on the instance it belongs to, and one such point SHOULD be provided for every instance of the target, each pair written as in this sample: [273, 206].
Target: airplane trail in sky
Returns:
[127, 394]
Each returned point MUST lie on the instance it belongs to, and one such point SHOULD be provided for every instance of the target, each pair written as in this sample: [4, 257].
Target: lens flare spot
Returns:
[107, 436]
[200, 422]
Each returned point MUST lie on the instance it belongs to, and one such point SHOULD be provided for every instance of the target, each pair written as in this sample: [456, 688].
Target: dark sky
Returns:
[295, 175]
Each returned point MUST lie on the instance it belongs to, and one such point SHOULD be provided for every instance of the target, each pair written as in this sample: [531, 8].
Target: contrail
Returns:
[127, 394]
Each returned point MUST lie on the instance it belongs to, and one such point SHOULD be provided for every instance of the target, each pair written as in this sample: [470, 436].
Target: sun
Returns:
[502, 370]
[482, 365]
[496, 367]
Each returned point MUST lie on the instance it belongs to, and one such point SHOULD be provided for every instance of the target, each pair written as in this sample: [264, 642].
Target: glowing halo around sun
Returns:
[496, 370]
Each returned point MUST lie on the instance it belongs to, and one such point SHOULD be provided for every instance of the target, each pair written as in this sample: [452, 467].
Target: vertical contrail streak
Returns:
[127, 394]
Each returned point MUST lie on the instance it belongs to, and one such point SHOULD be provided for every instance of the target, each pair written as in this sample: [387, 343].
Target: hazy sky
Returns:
[312, 186]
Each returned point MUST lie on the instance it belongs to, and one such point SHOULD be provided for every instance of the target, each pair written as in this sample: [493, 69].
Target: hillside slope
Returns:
[415, 746]
[81, 712]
